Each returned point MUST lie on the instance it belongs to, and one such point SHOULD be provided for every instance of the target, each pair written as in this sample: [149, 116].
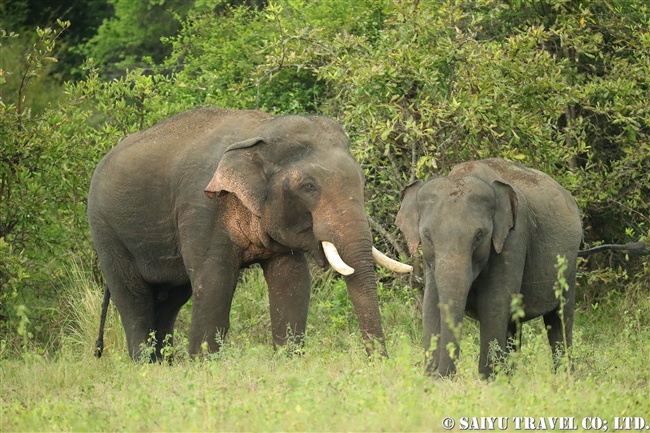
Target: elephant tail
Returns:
[99, 344]
[634, 248]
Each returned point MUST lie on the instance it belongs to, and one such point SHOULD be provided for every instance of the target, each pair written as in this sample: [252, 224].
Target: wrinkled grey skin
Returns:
[280, 186]
[489, 230]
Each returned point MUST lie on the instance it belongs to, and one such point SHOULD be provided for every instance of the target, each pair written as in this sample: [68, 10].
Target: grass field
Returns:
[332, 386]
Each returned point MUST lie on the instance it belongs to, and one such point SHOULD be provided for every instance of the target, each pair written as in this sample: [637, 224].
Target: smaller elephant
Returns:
[490, 230]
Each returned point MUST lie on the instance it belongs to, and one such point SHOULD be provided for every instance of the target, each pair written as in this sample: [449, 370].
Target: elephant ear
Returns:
[241, 172]
[505, 214]
[408, 217]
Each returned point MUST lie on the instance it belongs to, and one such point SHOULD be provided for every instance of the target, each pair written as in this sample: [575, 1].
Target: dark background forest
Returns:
[559, 85]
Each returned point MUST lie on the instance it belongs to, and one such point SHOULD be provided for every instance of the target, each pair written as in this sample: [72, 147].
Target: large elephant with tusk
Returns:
[178, 209]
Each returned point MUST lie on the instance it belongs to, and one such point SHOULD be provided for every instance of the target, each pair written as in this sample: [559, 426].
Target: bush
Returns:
[419, 86]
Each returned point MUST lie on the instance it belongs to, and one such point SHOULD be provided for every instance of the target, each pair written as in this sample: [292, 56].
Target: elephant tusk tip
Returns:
[390, 264]
[403, 269]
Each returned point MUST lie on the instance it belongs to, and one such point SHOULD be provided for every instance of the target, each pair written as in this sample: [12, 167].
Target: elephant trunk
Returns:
[353, 241]
[362, 287]
[453, 280]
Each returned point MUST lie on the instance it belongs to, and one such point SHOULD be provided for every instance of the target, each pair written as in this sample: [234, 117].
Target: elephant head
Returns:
[298, 179]
[460, 221]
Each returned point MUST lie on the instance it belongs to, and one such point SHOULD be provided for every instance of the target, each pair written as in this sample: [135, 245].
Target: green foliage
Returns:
[216, 53]
[558, 86]
[125, 105]
[26, 60]
[12, 14]
[13, 273]
[41, 181]
[22, 16]
[46, 164]
[131, 38]
[222, 57]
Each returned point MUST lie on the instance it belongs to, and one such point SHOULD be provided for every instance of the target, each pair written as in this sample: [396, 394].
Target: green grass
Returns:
[333, 386]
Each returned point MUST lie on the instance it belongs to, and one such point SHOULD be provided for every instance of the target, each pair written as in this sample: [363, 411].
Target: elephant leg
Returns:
[289, 284]
[556, 333]
[212, 292]
[554, 320]
[168, 305]
[136, 306]
[514, 340]
[494, 296]
[495, 290]
[132, 295]
[494, 327]
[431, 324]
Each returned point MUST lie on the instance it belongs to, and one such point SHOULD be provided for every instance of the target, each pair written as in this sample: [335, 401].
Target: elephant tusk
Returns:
[335, 259]
[390, 264]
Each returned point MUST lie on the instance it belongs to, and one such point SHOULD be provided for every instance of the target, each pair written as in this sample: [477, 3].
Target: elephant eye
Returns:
[309, 186]
[478, 236]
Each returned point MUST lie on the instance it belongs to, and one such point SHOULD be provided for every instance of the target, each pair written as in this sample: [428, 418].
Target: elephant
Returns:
[175, 211]
[490, 230]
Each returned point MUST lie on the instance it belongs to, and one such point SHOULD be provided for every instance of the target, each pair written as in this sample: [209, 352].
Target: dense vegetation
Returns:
[560, 85]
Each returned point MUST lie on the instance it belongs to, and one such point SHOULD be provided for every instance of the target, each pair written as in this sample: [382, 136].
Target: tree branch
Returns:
[388, 236]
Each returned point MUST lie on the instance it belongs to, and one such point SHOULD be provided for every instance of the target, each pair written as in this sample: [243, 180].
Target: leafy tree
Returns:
[563, 90]
[219, 54]
[133, 34]
[39, 195]
[85, 16]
